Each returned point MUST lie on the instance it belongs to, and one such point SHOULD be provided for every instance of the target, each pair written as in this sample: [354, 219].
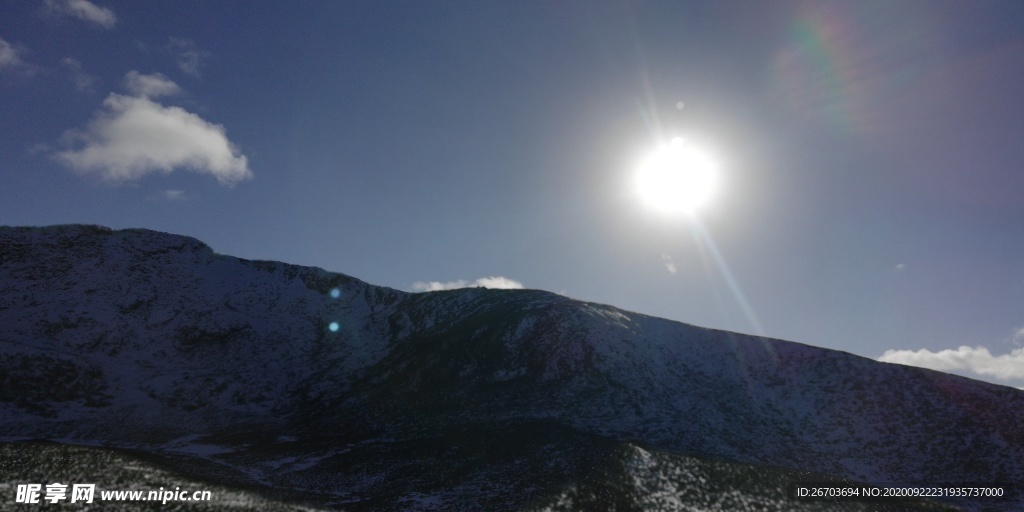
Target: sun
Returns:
[677, 178]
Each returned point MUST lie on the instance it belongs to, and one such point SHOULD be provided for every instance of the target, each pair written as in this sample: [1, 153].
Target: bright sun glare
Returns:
[676, 178]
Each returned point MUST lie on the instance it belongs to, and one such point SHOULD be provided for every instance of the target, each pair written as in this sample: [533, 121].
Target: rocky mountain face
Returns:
[323, 391]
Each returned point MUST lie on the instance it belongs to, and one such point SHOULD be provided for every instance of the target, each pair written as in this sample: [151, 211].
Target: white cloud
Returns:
[669, 264]
[135, 136]
[85, 10]
[189, 55]
[174, 195]
[501, 283]
[434, 286]
[498, 282]
[976, 360]
[1018, 337]
[150, 86]
[83, 81]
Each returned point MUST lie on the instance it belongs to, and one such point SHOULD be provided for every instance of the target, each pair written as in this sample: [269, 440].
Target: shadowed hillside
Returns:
[473, 398]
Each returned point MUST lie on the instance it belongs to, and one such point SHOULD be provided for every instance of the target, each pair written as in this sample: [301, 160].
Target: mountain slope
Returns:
[151, 341]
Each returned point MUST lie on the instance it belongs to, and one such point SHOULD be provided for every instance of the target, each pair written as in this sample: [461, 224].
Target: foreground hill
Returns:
[297, 382]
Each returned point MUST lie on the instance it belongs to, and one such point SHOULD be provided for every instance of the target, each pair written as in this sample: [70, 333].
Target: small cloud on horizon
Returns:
[83, 10]
[976, 360]
[495, 282]
[134, 136]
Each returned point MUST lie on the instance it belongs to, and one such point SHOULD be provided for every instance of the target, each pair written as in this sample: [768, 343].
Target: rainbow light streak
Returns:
[818, 73]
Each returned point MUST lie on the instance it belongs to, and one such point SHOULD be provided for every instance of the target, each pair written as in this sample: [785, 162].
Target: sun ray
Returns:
[705, 240]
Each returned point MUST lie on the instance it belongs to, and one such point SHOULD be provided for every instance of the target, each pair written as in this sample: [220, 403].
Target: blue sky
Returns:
[870, 154]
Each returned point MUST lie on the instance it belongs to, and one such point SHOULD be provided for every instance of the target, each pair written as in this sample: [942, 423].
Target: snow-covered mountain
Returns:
[302, 382]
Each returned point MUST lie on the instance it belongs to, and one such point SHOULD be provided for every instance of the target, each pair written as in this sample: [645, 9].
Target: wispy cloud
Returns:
[10, 56]
[189, 56]
[498, 282]
[174, 195]
[12, 61]
[84, 10]
[150, 86]
[977, 360]
[84, 82]
[135, 136]
[670, 265]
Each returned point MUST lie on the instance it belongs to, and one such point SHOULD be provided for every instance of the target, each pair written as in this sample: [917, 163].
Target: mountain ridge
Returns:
[137, 338]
